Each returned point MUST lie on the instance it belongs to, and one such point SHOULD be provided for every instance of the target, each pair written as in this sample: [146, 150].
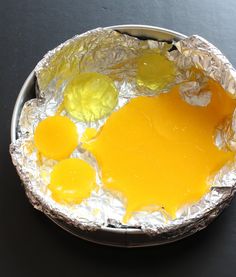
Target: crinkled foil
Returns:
[197, 52]
[109, 52]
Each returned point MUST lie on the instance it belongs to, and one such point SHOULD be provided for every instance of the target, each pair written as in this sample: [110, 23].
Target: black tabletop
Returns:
[30, 244]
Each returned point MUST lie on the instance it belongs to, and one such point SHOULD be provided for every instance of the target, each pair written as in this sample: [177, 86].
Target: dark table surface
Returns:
[30, 244]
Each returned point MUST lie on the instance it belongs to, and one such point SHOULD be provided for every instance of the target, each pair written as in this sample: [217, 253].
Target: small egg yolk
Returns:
[160, 150]
[90, 96]
[56, 137]
[155, 71]
[72, 180]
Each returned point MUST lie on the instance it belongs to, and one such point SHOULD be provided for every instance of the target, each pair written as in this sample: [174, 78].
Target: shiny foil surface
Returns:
[112, 53]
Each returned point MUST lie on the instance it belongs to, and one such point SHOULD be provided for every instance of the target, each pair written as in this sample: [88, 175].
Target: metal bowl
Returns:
[121, 237]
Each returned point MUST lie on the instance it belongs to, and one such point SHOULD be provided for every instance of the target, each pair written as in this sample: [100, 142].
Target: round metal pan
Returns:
[120, 237]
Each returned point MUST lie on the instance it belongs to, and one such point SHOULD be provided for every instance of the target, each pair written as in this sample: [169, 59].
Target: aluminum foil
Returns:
[109, 52]
[197, 52]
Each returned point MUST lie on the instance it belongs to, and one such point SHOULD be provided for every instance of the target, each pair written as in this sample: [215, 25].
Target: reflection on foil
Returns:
[109, 52]
[192, 93]
[225, 136]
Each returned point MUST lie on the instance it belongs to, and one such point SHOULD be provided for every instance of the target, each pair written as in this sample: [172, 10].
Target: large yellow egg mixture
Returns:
[159, 151]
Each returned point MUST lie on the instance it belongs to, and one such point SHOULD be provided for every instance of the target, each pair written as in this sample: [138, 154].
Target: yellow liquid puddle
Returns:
[159, 151]
[90, 96]
[72, 180]
[56, 137]
[155, 71]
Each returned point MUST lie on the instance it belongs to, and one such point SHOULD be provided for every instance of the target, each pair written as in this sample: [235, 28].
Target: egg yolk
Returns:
[72, 180]
[155, 71]
[90, 96]
[56, 137]
[159, 151]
